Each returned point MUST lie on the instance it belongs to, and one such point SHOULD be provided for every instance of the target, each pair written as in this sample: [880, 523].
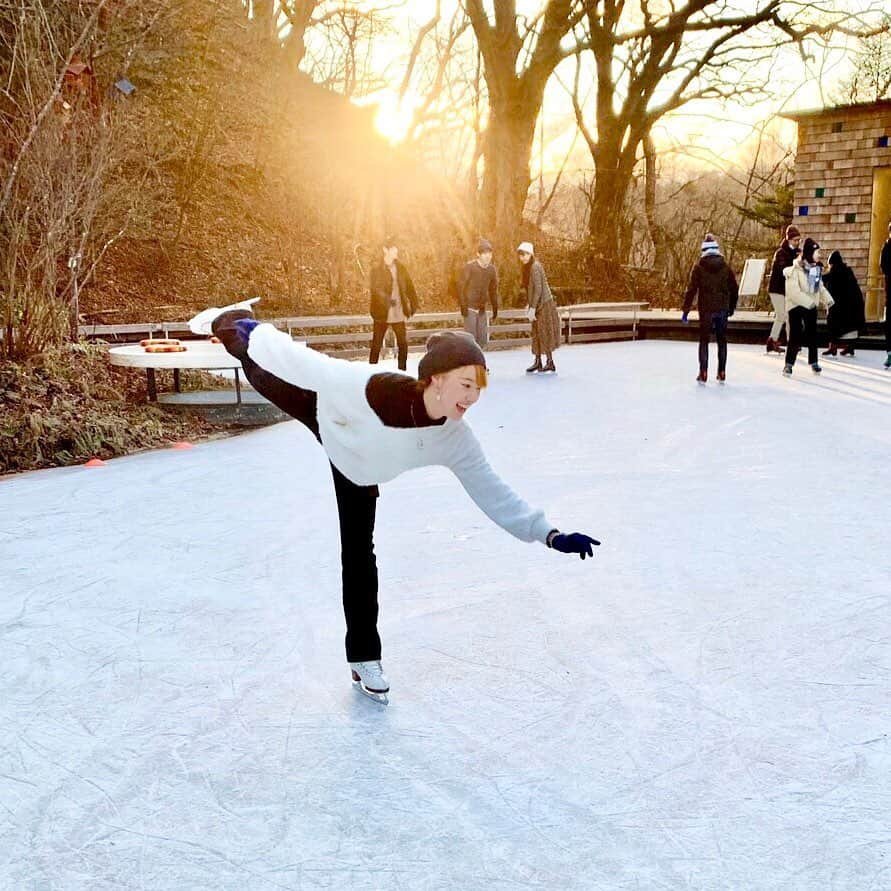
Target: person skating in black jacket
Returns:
[393, 301]
[714, 288]
[846, 316]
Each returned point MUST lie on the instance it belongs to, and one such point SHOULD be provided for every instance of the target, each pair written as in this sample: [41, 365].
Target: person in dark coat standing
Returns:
[714, 288]
[479, 286]
[885, 264]
[846, 316]
[784, 256]
[393, 301]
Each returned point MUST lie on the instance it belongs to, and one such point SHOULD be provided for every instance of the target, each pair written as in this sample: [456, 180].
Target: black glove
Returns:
[573, 543]
[234, 328]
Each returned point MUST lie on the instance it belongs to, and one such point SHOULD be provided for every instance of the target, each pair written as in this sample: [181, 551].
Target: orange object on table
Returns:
[165, 347]
[159, 341]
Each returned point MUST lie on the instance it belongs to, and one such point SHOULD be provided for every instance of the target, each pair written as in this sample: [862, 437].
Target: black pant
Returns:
[356, 505]
[377, 340]
[802, 331]
[717, 322]
[888, 313]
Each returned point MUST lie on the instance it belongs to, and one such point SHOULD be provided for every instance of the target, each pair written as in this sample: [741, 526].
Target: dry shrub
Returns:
[67, 405]
[64, 142]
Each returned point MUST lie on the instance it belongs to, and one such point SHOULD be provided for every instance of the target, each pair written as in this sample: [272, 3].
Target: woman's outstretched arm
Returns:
[503, 506]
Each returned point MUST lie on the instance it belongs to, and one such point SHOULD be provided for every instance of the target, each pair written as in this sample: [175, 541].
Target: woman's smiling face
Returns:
[457, 390]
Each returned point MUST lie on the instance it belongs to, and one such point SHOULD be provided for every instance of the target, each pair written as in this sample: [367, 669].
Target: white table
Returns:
[198, 354]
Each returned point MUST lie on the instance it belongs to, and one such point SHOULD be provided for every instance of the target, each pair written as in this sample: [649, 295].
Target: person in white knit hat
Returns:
[714, 289]
[540, 308]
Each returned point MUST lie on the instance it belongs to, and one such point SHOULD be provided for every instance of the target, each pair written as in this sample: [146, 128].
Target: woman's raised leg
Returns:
[300, 404]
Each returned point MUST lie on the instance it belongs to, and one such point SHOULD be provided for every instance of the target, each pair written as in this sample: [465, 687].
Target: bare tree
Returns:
[648, 66]
[870, 80]
[340, 55]
[64, 137]
[519, 56]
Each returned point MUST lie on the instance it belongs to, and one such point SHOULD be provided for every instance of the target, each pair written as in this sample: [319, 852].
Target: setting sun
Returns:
[394, 118]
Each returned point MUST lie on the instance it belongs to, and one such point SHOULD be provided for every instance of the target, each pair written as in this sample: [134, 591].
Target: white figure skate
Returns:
[370, 680]
[201, 323]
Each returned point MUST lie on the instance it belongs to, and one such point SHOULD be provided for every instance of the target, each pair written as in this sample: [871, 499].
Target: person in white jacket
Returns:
[805, 291]
[373, 427]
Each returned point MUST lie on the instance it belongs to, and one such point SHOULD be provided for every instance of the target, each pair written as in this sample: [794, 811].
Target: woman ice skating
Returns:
[541, 309]
[373, 427]
[714, 288]
[847, 316]
[393, 301]
[805, 291]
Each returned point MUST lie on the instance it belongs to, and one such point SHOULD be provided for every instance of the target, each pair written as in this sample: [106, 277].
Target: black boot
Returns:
[535, 366]
[550, 366]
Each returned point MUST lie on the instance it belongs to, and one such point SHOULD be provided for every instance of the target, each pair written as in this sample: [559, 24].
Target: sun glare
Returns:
[393, 118]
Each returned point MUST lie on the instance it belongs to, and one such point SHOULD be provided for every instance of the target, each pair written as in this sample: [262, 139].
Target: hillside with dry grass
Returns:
[256, 181]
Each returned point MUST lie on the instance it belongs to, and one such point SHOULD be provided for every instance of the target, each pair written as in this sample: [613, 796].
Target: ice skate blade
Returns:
[380, 698]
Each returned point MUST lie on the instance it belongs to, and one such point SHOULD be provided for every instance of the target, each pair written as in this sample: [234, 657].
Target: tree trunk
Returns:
[515, 81]
[506, 179]
[612, 179]
[657, 236]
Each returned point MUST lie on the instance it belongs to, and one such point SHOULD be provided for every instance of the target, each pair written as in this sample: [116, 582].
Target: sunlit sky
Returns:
[715, 133]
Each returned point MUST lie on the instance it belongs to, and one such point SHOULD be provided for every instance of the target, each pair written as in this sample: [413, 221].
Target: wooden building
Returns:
[843, 187]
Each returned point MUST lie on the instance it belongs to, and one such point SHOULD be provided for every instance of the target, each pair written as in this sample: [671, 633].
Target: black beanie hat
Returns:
[447, 350]
[807, 250]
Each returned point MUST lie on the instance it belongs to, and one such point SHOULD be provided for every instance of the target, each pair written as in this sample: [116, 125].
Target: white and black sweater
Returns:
[374, 427]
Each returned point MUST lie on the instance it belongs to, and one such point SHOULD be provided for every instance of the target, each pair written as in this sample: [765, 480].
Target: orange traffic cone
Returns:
[95, 462]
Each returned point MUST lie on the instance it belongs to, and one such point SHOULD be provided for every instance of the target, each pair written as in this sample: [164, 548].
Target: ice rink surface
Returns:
[704, 705]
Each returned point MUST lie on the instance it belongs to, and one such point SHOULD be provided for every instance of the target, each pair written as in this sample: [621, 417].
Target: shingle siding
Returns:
[842, 164]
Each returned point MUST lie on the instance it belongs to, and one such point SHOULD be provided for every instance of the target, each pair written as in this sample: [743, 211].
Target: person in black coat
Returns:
[784, 256]
[847, 315]
[885, 264]
[714, 287]
[393, 301]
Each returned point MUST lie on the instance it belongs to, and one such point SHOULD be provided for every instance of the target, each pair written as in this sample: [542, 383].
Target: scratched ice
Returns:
[705, 705]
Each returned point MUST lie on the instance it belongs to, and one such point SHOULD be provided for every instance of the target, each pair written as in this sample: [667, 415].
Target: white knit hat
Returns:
[525, 247]
[710, 244]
